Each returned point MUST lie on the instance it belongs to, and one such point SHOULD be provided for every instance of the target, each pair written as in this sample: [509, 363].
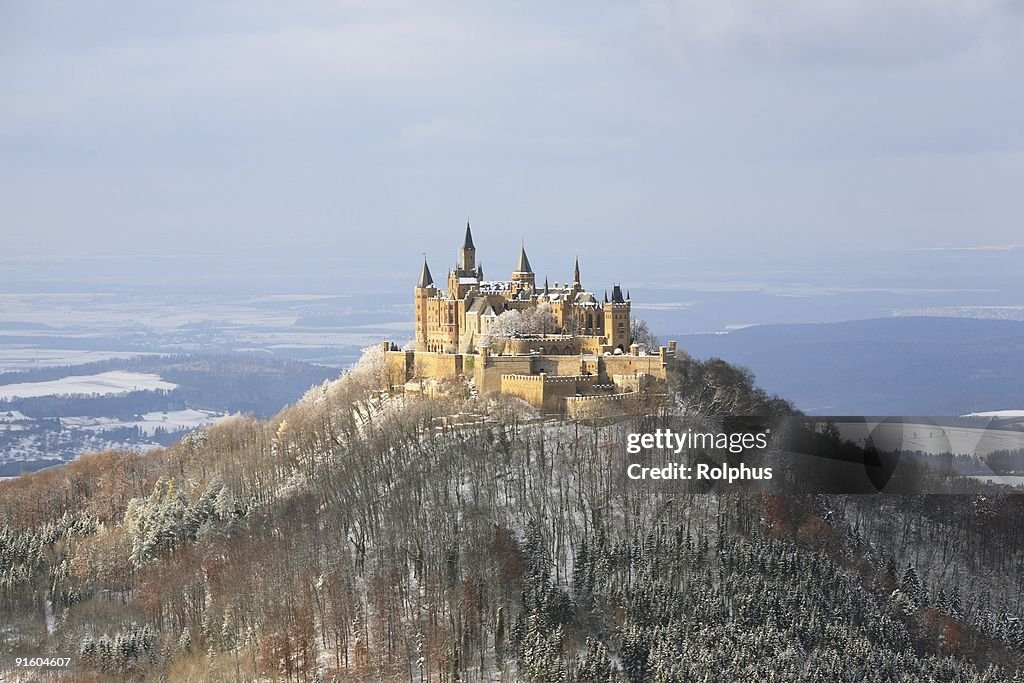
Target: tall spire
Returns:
[426, 280]
[467, 255]
[546, 291]
[523, 264]
[576, 272]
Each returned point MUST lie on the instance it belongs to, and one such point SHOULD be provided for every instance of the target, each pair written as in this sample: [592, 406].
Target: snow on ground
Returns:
[172, 421]
[935, 439]
[13, 357]
[1008, 480]
[115, 382]
[999, 414]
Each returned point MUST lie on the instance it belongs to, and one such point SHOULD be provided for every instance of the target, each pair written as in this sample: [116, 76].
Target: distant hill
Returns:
[888, 366]
[64, 411]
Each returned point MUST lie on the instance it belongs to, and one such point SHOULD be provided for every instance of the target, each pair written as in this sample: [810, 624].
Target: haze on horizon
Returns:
[198, 135]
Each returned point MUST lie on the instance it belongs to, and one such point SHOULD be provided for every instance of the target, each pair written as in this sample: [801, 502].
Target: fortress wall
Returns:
[530, 388]
[628, 383]
[487, 373]
[579, 407]
[555, 345]
[544, 391]
[398, 367]
[437, 365]
[591, 344]
[559, 365]
[552, 344]
[629, 365]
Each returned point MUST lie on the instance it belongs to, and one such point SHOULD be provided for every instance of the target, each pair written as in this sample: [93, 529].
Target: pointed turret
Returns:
[426, 280]
[576, 272]
[523, 277]
[467, 255]
[523, 263]
[617, 295]
[606, 296]
[546, 290]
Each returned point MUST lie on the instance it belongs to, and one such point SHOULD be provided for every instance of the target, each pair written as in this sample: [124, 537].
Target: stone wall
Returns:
[545, 392]
[437, 365]
[630, 365]
[398, 368]
[401, 366]
[628, 372]
[559, 365]
[580, 407]
[488, 370]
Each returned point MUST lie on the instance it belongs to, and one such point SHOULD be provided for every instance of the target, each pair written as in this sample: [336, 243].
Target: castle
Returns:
[557, 346]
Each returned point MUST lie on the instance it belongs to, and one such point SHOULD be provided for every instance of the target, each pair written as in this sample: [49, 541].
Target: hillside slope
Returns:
[353, 537]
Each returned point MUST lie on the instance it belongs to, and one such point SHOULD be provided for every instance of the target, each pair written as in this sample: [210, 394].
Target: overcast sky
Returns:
[289, 129]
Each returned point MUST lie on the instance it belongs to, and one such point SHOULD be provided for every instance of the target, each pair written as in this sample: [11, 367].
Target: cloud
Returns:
[270, 59]
[842, 32]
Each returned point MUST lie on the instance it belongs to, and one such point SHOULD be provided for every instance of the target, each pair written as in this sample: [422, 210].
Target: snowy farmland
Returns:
[104, 383]
[171, 421]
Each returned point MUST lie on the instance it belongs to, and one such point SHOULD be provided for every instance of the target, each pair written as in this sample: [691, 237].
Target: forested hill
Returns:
[354, 537]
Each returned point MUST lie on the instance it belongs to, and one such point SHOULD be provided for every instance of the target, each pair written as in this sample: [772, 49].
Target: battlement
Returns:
[547, 392]
[597, 405]
[543, 380]
[552, 379]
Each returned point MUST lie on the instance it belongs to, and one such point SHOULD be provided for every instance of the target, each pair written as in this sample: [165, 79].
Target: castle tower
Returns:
[424, 290]
[468, 254]
[523, 273]
[465, 276]
[576, 275]
[616, 320]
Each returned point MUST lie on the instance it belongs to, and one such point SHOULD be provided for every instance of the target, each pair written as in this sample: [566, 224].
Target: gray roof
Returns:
[523, 264]
[425, 278]
[468, 243]
[480, 305]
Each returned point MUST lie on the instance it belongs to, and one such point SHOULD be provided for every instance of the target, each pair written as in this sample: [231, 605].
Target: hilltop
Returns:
[355, 536]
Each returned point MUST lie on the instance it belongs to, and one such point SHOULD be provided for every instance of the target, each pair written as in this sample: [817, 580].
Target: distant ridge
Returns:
[881, 366]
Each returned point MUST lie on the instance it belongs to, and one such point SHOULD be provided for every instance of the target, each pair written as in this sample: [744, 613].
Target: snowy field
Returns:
[934, 439]
[172, 421]
[1007, 480]
[30, 357]
[104, 383]
[1000, 414]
